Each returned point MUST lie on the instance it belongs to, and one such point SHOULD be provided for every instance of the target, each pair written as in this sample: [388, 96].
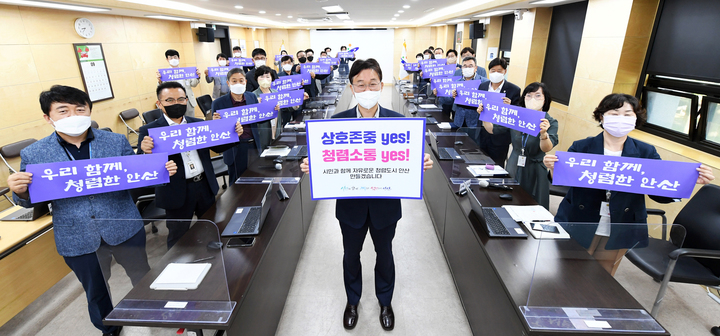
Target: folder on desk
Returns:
[444, 126]
[181, 276]
[529, 215]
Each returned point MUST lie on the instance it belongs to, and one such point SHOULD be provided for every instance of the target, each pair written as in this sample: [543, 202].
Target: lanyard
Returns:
[524, 143]
[72, 158]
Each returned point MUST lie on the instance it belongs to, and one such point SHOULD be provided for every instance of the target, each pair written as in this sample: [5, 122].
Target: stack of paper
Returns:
[530, 215]
[178, 276]
[428, 106]
[276, 151]
[444, 125]
[299, 125]
[482, 170]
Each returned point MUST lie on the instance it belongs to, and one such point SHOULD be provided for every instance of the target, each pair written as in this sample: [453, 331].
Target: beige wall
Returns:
[417, 40]
[529, 44]
[491, 40]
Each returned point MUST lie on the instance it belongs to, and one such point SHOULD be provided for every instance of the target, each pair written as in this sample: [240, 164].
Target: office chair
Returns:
[95, 125]
[127, 115]
[205, 103]
[221, 169]
[144, 199]
[692, 260]
[11, 151]
[151, 116]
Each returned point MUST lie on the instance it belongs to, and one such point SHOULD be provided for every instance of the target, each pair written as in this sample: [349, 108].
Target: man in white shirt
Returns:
[173, 58]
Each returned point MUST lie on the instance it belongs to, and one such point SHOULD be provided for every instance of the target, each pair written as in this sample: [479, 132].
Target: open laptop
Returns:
[248, 221]
[299, 152]
[498, 222]
[443, 153]
[27, 214]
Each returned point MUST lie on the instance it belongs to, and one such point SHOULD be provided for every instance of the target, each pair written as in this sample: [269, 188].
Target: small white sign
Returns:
[176, 304]
[492, 53]
[597, 324]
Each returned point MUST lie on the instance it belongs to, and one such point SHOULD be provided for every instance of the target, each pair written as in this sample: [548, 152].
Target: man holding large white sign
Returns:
[395, 148]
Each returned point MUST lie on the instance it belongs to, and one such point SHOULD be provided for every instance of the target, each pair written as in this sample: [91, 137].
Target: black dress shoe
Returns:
[116, 332]
[387, 317]
[715, 330]
[350, 316]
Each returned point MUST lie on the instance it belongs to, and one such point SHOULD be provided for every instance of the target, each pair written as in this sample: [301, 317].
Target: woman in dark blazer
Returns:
[618, 114]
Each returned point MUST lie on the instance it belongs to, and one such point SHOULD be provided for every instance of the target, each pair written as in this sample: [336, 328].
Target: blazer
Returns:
[479, 71]
[218, 84]
[252, 84]
[172, 195]
[582, 205]
[78, 222]
[262, 131]
[511, 91]
[383, 212]
[307, 88]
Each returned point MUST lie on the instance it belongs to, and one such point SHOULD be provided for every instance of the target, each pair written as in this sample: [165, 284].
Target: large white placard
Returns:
[366, 158]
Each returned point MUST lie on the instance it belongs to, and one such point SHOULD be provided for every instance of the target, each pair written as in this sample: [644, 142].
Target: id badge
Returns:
[605, 209]
[521, 160]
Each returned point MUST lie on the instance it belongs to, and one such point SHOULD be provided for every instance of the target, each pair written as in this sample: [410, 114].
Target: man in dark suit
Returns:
[260, 58]
[192, 190]
[496, 145]
[256, 136]
[357, 216]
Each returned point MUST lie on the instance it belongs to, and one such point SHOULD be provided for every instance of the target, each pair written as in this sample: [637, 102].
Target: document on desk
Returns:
[276, 151]
[444, 126]
[181, 276]
[530, 215]
[428, 106]
[485, 170]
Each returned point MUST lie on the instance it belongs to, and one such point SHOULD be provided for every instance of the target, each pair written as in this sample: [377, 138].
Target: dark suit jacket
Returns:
[311, 89]
[382, 211]
[262, 131]
[172, 195]
[582, 205]
[252, 84]
[511, 91]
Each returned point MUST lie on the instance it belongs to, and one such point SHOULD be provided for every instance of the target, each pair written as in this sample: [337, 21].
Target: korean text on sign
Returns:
[284, 98]
[346, 54]
[437, 80]
[514, 117]
[67, 179]
[317, 68]
[366, 158]
[329, 60]
[242, 62]
[173, 74]
[432, 62]
[294, 82]
[411, 66]
[182, 138]
[249, 114]
[467, 97]
[439, 71]
[626, 174]
[218, 72]
[446, 89]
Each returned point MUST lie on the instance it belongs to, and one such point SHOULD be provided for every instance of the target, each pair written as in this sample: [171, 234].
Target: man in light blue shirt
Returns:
[220, 87]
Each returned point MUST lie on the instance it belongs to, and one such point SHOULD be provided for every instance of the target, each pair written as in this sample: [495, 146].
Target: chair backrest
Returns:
[12, 150]
[152, 115]
[701, 219]
[205, 103]
[129, 114]
[94, 124]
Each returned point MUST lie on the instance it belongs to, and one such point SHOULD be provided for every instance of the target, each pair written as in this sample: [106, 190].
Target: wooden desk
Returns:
[29, 263]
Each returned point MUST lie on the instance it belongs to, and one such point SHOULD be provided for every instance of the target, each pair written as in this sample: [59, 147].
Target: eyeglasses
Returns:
[363, 87]
[173, 100]
[469, 66]
[536, 96]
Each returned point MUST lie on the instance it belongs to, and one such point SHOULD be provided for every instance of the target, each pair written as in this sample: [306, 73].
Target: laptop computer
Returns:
[248, 221]
[443, 153]
[431, 120]
[299, 151]
[27, 214]
[477, 159]
[498, 222]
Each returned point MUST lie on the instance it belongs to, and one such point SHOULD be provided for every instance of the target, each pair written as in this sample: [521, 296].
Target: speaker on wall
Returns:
[477, 30]
[206, 34]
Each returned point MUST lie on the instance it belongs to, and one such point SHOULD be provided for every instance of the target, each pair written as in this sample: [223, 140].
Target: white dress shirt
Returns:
[191, 159]
[499, 89]
[603, 228]
[359, 115]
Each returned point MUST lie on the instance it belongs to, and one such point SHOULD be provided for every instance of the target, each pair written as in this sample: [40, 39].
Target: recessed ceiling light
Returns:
[429, 10]
[457, 20]
[172, 18]
[406, 6]
[335, 8]
[239, 7]
[546, 2]
[261, 12]
[278, 14]
[343, 17]
[401, 11]
[54, 5]
[226, 24]
[437, 25]
[289, 16]
[396, 15]
[494, 13]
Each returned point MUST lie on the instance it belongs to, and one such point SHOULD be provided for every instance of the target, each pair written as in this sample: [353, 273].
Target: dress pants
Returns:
[198, 199]
[498, 153]
[93, 270]
[353, 240]
[344, 69]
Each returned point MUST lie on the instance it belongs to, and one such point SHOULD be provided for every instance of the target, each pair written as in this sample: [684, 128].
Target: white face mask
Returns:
[426, 56]
[419, 59]
[72, 126]
[259, 63]
[264, 82]
[237, 55]
[438, 56]
[618, 126]
[452, 60]
[237, 88]
[368, 99]
[496, 77]
[534, 104]
[174, 62]
[287, 67]
[222, 62]
[468, 72]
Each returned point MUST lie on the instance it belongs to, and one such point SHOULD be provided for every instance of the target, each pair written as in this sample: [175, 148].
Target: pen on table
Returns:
[203, 259]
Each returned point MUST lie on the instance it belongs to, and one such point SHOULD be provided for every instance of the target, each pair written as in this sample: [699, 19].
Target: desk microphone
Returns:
[486, 184]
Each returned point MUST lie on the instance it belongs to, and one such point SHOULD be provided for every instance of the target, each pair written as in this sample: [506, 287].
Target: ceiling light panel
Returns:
[335, 8]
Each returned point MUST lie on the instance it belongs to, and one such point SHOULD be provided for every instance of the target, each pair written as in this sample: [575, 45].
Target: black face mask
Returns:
[302, 59]
[175, 111]
[310, 58]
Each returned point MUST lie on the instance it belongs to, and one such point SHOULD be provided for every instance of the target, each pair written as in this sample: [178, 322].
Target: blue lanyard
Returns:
[524, 142]
[72, 158]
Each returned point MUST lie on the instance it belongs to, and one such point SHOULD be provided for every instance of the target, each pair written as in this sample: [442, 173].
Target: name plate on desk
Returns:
[366, 158]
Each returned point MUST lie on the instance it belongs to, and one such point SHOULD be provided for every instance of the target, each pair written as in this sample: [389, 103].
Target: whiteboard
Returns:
[377, 44]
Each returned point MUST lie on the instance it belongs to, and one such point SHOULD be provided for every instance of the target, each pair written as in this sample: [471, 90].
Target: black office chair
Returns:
[205, 103]
[144, 199]
[152, 115]
[220, 168]
[692, 259]
[95, 125]
[126, 116]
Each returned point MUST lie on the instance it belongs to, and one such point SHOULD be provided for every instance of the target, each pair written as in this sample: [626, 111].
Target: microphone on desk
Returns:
[489, 185]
